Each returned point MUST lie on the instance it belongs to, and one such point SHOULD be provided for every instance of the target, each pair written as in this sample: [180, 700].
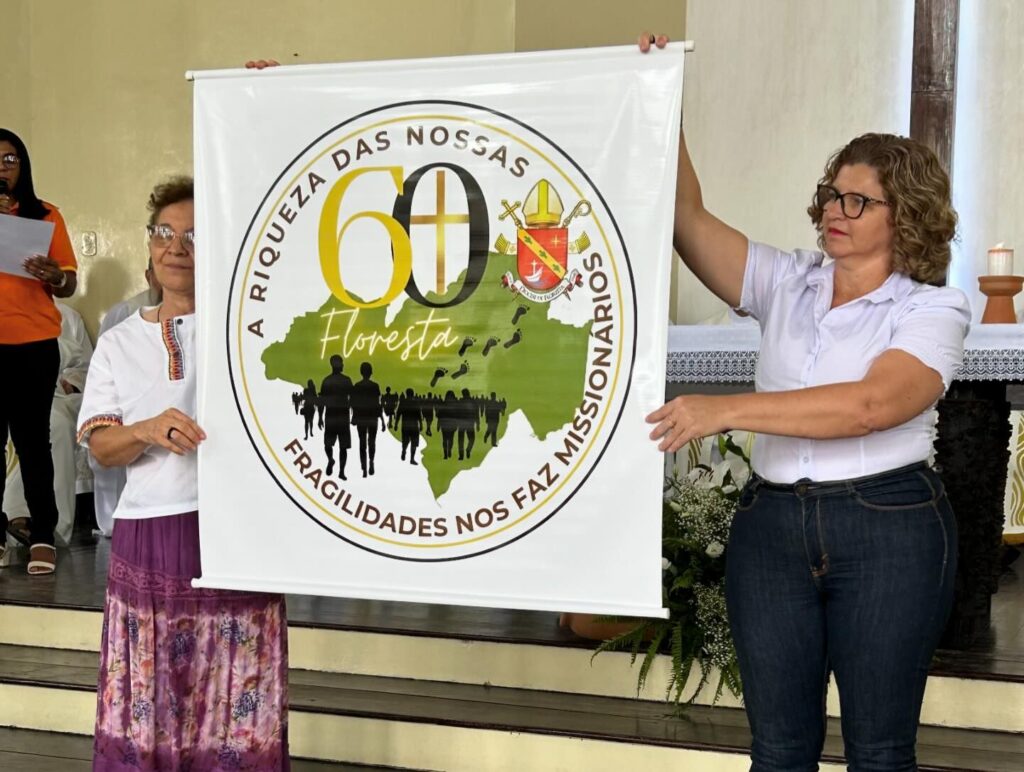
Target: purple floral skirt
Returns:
[191, 680]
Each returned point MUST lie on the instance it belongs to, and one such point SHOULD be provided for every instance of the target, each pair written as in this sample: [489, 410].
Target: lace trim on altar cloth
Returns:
[738, 366]
[711, 366]
[992, 364]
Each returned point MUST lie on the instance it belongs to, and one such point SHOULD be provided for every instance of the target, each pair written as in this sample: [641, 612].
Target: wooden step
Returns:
[25, 750]
[435, 725]
[981, 689]
[959, 694]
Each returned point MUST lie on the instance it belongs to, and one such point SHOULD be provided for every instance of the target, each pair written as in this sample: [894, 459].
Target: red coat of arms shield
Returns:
[542, 256]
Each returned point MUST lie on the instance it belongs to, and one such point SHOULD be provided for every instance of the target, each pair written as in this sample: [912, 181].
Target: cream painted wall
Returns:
[109, 111]
[988, 162]
[15, 47]
[548, 24]
[771, 91]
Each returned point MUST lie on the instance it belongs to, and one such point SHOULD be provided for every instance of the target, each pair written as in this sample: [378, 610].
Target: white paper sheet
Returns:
[21, 238]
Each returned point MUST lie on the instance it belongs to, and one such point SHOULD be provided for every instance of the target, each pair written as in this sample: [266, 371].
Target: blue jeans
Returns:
[853, 577]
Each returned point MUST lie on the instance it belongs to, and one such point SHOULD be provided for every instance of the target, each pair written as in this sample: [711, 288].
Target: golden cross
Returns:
[510, 211]
[439, 218]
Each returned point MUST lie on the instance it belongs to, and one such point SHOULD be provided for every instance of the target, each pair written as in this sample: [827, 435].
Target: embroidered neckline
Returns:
[175, 356]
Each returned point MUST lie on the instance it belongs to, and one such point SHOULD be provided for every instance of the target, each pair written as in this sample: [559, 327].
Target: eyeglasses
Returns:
[10, 161]
[162, 236]
[852, 204]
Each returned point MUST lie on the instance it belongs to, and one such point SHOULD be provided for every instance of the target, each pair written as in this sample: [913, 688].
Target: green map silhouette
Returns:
[542, 375]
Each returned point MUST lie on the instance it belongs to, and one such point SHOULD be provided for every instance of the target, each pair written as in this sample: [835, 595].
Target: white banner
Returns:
[433, 303]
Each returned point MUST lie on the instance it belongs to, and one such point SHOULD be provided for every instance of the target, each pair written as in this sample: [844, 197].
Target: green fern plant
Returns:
[697, 513]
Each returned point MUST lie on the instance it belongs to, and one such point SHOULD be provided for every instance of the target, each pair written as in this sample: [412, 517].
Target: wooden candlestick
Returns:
[1000, 291]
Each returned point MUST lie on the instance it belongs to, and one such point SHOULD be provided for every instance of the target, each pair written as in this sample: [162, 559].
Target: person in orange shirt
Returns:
[30, 324]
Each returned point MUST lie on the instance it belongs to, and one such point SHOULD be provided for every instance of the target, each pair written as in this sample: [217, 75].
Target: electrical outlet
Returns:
[89, 243]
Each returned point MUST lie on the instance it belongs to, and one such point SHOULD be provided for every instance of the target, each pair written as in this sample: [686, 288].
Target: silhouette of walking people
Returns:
[342, 404]
[493, 410]
[366, 411]
[297, 400]
[427, 405]
[310, 402]
[335, 396]
[409, 419]
[389, 401]
[447, 422]
[468, 423]
[436, 401]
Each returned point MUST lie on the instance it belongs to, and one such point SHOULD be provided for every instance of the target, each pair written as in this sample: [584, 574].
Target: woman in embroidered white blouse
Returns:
[203, 671]
[843, 549]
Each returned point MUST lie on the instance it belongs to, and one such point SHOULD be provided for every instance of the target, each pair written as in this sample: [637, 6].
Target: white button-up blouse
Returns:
[139, 370]
[804, 343]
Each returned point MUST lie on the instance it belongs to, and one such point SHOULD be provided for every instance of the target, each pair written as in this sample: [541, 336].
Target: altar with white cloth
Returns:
[727, 353]
[984, 480]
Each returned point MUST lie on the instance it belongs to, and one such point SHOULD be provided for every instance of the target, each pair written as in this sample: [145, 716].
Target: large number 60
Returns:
[397, 226]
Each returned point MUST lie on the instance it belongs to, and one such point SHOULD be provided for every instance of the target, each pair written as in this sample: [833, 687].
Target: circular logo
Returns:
[431, 331]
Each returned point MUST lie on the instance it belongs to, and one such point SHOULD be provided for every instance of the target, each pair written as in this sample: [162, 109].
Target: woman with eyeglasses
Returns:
[189, 678]
[843, 548]
[30, 325]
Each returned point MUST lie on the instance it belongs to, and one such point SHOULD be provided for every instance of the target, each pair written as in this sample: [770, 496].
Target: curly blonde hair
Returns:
[171, 191]
[924, 221]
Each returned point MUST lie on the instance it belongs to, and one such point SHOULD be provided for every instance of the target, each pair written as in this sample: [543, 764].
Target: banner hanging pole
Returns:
[234, 72]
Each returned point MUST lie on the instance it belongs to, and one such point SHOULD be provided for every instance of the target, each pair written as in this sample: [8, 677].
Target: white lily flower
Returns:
[718, 472]
[740, 472]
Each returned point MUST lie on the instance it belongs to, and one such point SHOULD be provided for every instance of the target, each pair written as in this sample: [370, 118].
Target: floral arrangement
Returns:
[697, 513]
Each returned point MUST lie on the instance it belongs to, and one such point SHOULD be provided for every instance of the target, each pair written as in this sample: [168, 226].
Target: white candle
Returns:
[1000, 261]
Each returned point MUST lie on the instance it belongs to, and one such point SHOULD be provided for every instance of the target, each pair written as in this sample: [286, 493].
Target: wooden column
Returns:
[970, 410]
[933, 82]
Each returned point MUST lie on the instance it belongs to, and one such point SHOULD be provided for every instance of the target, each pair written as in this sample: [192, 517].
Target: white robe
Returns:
[71, 473]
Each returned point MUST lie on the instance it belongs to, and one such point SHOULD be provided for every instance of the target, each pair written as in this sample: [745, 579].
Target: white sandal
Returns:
[42, 567]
